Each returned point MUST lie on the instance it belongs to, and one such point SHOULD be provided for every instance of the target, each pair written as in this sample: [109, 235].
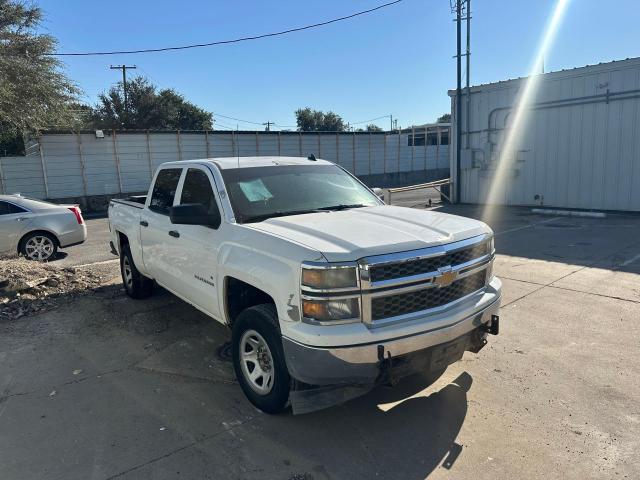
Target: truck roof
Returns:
[246, 162]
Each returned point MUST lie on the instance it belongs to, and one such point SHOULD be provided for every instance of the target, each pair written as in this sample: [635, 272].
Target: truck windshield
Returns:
[258, 193]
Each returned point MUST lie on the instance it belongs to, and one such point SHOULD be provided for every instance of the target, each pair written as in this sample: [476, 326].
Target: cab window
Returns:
[197, 189]
[164, 190]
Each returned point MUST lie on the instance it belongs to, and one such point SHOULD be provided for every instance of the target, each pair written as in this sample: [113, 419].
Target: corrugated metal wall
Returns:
[61, 165]
[580, 147]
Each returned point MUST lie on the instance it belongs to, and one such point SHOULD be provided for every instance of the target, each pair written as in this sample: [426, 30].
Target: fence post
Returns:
[117, 159]
[233, 145]
[413, 145]
[206, 139]
[369, 153]
[179, 138]
[149, 155]
[399, 141]
[300, 142]
[425, 148]
[353, 148]
[437, 147]
[384, 149]
[279, 152]
[44, 168]
[319, 146]
[4, 192]
[337, 148]
[257, 145]
[84, 177]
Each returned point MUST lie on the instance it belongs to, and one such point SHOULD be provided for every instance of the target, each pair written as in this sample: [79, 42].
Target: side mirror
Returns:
[379, 192]
[194, 214]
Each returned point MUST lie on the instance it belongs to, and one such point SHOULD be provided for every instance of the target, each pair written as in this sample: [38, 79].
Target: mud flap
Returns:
[318, 398]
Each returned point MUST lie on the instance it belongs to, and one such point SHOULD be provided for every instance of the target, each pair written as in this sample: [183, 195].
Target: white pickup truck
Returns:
[327, 290]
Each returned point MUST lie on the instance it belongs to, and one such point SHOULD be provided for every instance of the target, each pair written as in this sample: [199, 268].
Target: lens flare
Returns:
[520, 114]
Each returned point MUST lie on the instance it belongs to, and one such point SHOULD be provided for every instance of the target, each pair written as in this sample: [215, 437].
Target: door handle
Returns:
[21, 219]
[174, 233]
[144, 223]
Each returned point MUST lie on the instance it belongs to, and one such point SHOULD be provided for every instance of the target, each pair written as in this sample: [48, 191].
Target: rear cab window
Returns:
[164, 190]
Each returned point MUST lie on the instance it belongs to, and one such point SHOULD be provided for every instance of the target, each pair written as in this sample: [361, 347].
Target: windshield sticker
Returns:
[255, 190]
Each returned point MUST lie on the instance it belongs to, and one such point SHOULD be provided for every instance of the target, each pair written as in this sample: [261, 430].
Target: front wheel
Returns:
[135, 284]
[258, 358]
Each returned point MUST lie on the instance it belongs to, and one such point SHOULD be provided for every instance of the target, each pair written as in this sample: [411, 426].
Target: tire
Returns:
[269, 388]
[135, 284]
[39, 246]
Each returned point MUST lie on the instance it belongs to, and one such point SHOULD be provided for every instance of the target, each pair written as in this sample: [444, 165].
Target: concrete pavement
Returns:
[555, 395]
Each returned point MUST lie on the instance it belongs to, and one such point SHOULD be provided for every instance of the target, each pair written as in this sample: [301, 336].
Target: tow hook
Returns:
[493, 326]
[386, 366]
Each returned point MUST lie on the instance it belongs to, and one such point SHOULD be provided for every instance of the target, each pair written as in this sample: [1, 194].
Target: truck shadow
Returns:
[388, 433]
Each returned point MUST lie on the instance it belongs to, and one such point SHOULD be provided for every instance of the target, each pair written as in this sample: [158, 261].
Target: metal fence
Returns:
[73, 165]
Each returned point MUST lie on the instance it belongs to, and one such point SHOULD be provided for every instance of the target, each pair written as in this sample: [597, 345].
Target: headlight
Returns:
[331, 310]
[329, 277]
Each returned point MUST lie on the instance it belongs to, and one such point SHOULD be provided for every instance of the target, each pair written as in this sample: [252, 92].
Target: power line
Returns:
[225, 42]
[236, 119]
[370, 120]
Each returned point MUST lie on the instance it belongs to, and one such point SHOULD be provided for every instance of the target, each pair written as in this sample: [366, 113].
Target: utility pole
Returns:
[124, 69]
[391, 122]
[268, 124]
[458, 95]
[467, 123]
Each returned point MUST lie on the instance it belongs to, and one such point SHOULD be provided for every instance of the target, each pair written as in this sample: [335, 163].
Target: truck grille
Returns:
[425, 265]
[394, 305]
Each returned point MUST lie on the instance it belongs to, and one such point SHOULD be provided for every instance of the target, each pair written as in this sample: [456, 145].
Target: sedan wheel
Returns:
[39, 247]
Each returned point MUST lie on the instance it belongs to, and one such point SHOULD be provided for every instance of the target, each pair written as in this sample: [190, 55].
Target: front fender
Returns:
[269, 270]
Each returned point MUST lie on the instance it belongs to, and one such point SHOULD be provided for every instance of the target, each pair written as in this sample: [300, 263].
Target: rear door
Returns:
[14, 221]
[196, 249]
[155, 227]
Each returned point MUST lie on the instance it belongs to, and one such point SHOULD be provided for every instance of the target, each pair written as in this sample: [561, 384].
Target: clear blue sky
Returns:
[397, 60]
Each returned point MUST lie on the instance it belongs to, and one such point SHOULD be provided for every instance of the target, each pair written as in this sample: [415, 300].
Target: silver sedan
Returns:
[36, 229]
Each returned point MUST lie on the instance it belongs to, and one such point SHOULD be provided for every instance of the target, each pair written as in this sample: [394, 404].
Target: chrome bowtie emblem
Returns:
[446, 277]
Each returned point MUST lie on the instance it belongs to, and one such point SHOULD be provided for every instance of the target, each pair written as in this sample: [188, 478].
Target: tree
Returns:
[148, 108]
[370, 128]
[34, 92]
[309, 120]
[444, 118]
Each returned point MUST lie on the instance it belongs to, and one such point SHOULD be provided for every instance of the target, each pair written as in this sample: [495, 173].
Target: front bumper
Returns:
[371, 363]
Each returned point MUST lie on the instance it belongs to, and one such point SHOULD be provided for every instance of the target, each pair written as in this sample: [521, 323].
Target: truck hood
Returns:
[349, 235]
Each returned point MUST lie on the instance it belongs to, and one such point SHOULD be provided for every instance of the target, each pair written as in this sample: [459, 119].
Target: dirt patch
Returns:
[28, 287]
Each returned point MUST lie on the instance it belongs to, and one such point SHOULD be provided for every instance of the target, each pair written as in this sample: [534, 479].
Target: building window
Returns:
[444, 137]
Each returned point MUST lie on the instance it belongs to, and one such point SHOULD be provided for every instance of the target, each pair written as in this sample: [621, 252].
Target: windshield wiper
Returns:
[342, 207]
[278, 213]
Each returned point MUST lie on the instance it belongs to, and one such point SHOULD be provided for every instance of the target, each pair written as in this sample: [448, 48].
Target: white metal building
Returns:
[580, 148]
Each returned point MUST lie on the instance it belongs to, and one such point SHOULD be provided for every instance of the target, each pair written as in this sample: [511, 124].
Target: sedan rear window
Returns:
[7, 208]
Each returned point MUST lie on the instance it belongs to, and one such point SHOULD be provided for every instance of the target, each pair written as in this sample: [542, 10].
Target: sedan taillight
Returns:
[76, 211]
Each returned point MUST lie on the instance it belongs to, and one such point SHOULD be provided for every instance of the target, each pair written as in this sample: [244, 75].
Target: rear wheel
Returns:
[135, 284]
[39, 246]
[258, 358]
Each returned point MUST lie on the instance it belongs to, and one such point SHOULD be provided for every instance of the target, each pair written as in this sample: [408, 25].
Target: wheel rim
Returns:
[257, 362]
[127, 273]
[39, 248]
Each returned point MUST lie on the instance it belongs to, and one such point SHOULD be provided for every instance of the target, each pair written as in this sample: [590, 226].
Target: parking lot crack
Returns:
[228, 428]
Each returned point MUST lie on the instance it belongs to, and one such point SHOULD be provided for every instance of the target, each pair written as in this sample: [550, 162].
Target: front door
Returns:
[198, 245]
